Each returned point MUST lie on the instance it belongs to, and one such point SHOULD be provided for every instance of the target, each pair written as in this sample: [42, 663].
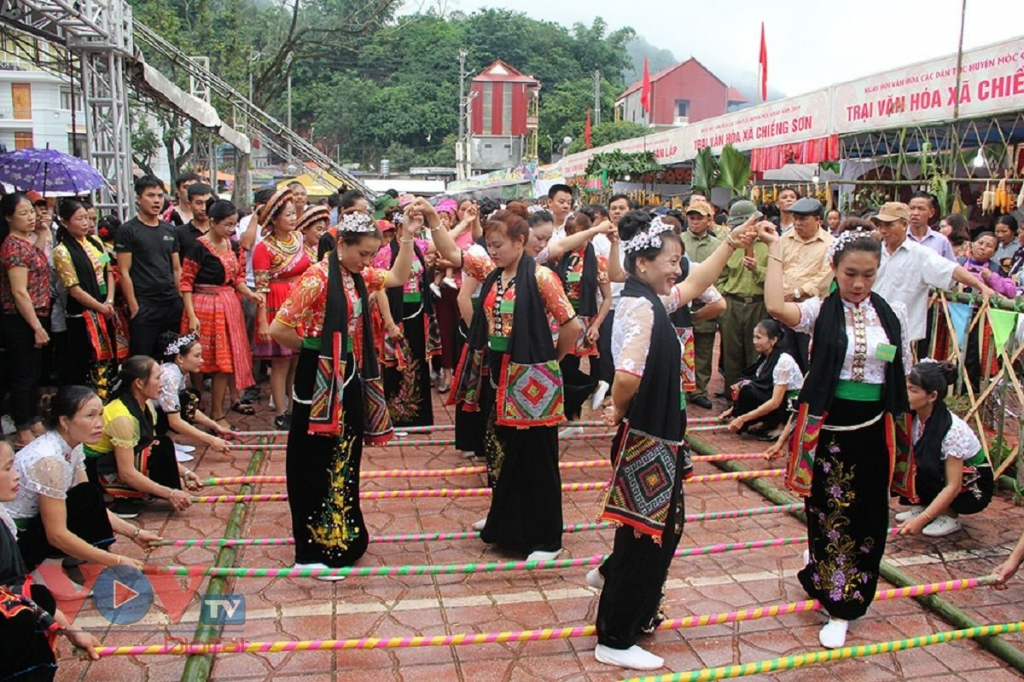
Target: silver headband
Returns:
[649, 238]
[174, 347]
[357, 222]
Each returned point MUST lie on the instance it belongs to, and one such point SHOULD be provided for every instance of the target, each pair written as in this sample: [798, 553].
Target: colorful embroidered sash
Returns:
[530, 395]
[469, 380]
[640, 494]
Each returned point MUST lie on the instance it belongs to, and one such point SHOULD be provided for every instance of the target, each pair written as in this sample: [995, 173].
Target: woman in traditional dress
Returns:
[413, 338]
[58, 511]
[178, 404]
[83, 266]
[852, 415]
[130, 463]
[953, 476]
[646, 494]
[583, 274]
[210, 277]
[312, 224]
[339, 395]
[510, 368]
[764, 390]
[277, 262]
[25, 299]
[29, 618]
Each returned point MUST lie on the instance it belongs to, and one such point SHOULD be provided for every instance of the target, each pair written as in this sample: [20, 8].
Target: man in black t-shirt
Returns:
[198, 195]
[147, 258]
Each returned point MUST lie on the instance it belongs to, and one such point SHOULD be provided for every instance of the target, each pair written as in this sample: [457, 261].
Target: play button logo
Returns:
[123, 595]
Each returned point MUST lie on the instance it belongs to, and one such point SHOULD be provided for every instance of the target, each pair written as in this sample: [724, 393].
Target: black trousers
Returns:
[153, 319]
[603, 367]
[24, 362]
[87, 518]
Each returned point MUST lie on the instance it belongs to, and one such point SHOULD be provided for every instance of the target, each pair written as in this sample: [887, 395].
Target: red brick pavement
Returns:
[403, 606]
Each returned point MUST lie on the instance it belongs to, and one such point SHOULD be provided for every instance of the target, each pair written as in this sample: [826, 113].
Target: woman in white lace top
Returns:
[58, 512]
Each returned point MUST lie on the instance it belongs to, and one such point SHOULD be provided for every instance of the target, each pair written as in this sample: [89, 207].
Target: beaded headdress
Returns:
[649, 238]
[357, 221]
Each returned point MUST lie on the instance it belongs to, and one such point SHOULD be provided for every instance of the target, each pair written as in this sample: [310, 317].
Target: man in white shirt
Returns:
[560, 204]
[909, 269]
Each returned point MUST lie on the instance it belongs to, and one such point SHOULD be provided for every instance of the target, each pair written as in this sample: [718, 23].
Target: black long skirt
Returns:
[79, 367]
[635, 572]
[323, 476]
[577, 386]
[408, 391]
[25, 652]
[469, 426]
[752, 397]
[526, 507]
[86, 517]
[847, 511]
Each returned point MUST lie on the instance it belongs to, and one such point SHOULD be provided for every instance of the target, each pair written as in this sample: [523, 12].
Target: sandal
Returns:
[243, 408]
[223, 421]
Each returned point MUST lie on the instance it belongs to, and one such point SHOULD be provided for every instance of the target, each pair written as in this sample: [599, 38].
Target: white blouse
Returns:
[864, 366]
[48, 467]
[787, 372]
[632, 325]
[172, 382]
[959, 442]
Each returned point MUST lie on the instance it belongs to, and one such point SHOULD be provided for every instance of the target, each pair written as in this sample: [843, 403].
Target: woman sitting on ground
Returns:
[178, 403]
[58, 512]
[764, 390]
[131, 463]
[953, 475]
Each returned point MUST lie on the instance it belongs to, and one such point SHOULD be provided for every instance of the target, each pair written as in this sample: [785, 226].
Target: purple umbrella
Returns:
[48, 171]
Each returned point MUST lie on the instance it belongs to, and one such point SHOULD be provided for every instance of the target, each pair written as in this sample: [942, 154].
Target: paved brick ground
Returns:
[390, 607]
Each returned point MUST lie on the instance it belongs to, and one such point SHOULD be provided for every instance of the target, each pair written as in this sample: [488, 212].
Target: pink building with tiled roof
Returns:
[681, 94]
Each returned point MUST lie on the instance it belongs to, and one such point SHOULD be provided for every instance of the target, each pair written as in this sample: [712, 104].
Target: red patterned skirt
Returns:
[222, 333]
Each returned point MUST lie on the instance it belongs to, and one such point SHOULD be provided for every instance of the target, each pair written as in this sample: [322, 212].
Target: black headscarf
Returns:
[928, 448]
[530, 342]
[655, 408]
[587, 306]
[830, 341]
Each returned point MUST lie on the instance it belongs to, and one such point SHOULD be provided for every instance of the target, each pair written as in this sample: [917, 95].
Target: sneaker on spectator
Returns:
[942, 525]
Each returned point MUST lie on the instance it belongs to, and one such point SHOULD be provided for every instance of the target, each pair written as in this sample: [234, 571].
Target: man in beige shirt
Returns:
[805, 269]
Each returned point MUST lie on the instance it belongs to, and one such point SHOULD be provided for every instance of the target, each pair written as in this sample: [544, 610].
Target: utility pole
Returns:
[289, 115]
[597, 97]
[460, 148]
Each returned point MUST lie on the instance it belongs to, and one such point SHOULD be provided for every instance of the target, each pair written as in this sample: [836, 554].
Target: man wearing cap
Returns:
[742, 284]
[805, 269]
[908, 269]
[700, 243]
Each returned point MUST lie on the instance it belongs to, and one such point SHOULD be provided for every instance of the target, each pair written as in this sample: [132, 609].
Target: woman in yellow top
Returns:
[130, 462]
[83, 265]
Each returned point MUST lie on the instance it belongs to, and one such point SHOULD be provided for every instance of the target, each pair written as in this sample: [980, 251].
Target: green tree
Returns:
[608, 132]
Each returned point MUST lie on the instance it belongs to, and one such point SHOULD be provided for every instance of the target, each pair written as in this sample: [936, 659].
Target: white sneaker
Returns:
[807, 557]
[544, 556]
[595, 579]
[571, 431]
[401, 434]
[468, 454]
[942, 525]
[181, 453]
[599, 395]
[479, 525]
[434, 289]
[833, 635]
[8, 425]
[450, 283]
[633, 658]
[321, 567]
[909, 514]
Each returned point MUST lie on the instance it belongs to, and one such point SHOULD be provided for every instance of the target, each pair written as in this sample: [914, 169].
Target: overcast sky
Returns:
[810, 44]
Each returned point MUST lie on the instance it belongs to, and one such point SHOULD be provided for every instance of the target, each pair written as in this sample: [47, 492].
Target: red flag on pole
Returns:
[586, 130]
[645, 90]
[762, 62]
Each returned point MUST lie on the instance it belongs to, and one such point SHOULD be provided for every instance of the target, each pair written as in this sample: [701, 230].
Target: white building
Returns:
[35, 109]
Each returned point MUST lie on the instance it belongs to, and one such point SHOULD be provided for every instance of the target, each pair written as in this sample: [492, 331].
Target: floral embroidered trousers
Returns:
[847, 511]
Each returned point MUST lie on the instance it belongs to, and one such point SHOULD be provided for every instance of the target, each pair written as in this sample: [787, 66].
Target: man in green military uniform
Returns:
[701, 243]
[742, 284]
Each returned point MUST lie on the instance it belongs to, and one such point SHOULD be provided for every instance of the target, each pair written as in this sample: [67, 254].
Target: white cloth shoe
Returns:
[60, 585]
[942, 525]
[321, 567]
[909, 514]
[544, 556]
[633, 658]
[479, 525]
[434, 289]
[181, 453]
[807, 557]
[599, 395]
[595, 579]
[468, 454]
[571, 431]
[833, 635]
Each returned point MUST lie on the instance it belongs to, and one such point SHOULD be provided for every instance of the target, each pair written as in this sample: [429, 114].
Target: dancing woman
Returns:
[953, 475]
[851, 426]
[339, 396]
[646, 409]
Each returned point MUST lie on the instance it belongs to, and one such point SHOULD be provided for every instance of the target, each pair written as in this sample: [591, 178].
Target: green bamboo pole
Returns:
[958, 617]
[198, 667]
